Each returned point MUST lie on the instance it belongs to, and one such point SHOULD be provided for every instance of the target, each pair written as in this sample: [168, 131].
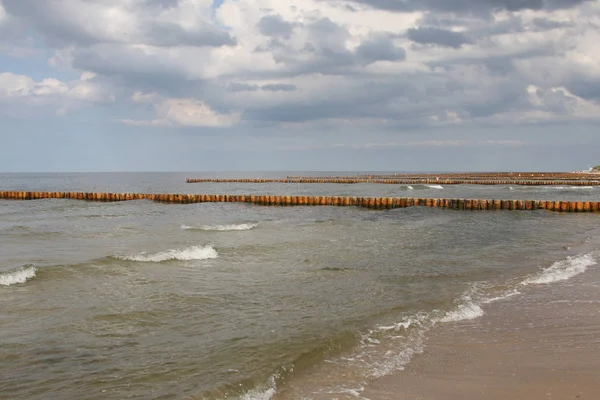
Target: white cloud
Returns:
[186, 112]
[140, 97]
[2, 13]
[50, 93]
[21, 86]
[343, 62]
[86, 76]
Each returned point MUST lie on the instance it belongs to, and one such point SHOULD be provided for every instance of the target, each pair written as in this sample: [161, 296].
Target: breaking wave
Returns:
[562, 270]
[16, 276]
[221, 228]
[265, 392]
[434, 186]
[387, 348]
[187, 254]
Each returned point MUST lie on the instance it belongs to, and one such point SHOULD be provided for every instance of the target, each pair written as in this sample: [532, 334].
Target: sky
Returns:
[299, 85]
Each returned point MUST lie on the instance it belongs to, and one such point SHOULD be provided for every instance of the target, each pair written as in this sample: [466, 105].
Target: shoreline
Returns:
[549, 349]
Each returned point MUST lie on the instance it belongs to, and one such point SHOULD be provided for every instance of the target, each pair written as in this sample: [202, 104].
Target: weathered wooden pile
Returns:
[270, 200]
[494, 178]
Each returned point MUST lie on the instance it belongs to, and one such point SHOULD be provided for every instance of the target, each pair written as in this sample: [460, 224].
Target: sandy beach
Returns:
[541, 344]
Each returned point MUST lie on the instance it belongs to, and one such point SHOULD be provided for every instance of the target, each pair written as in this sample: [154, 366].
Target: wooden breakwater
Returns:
[271, 200]
[466, 175]
[406, 181]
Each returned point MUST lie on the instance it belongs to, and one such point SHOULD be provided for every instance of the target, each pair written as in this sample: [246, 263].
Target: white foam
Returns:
[468, 310]
[262, 393]
[352, 392]
[404, 325]
[257, 394]
[506, 295]
[16, 276]
[409, 187]
[396, 361]
[190, 253]
[382, 356]
[434, 186]
[222, 228]
[562, 270]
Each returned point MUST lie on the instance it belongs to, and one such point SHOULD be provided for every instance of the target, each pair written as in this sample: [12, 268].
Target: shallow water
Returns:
[218, 300]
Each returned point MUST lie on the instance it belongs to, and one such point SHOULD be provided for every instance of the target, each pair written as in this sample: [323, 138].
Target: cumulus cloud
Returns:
[51, 93]
[157, 23]
[186, 112]
[274, 25]
[387, 63]
[2, 14]
[469, 6]
[442, 37]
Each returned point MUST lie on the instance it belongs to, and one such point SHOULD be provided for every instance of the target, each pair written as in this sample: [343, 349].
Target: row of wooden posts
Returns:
[407, 181]
[587, 177]
[367, 202]
[465, 175]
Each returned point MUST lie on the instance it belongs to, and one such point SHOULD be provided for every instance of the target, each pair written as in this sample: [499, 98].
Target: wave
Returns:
[434, 186]
[390, 347]
[187, 254]
[265, 392]
[504, 296]
[16, 276]
[468, 310]
[221, 228]
[562, 270]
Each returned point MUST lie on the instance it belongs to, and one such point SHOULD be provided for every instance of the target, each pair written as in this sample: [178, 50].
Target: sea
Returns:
[143, 300]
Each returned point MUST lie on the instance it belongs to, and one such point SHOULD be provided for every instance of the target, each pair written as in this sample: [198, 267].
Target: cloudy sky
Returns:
[191, 85]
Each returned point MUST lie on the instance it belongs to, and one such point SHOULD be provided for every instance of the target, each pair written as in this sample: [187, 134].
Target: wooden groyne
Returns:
[406, 181]
[466, 175]
[270, 200]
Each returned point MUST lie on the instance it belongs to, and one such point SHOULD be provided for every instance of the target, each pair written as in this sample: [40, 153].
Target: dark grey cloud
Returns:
[510, 25]
[585, 87]
[165, 4]
[380, 48]
[47, 19]
[546, 24]
[469, 6]
[510, 97]
[279, 87]
[369, 99]
[500, 65]
[236, 87]
[437, 36]
[555, 101]
[275, 25]
[326, 51]
[470, 85]
[60, 29]
[132, 68]
[170, 35]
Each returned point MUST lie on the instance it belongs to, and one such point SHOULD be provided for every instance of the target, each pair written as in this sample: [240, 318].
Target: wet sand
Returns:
[542, 344]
